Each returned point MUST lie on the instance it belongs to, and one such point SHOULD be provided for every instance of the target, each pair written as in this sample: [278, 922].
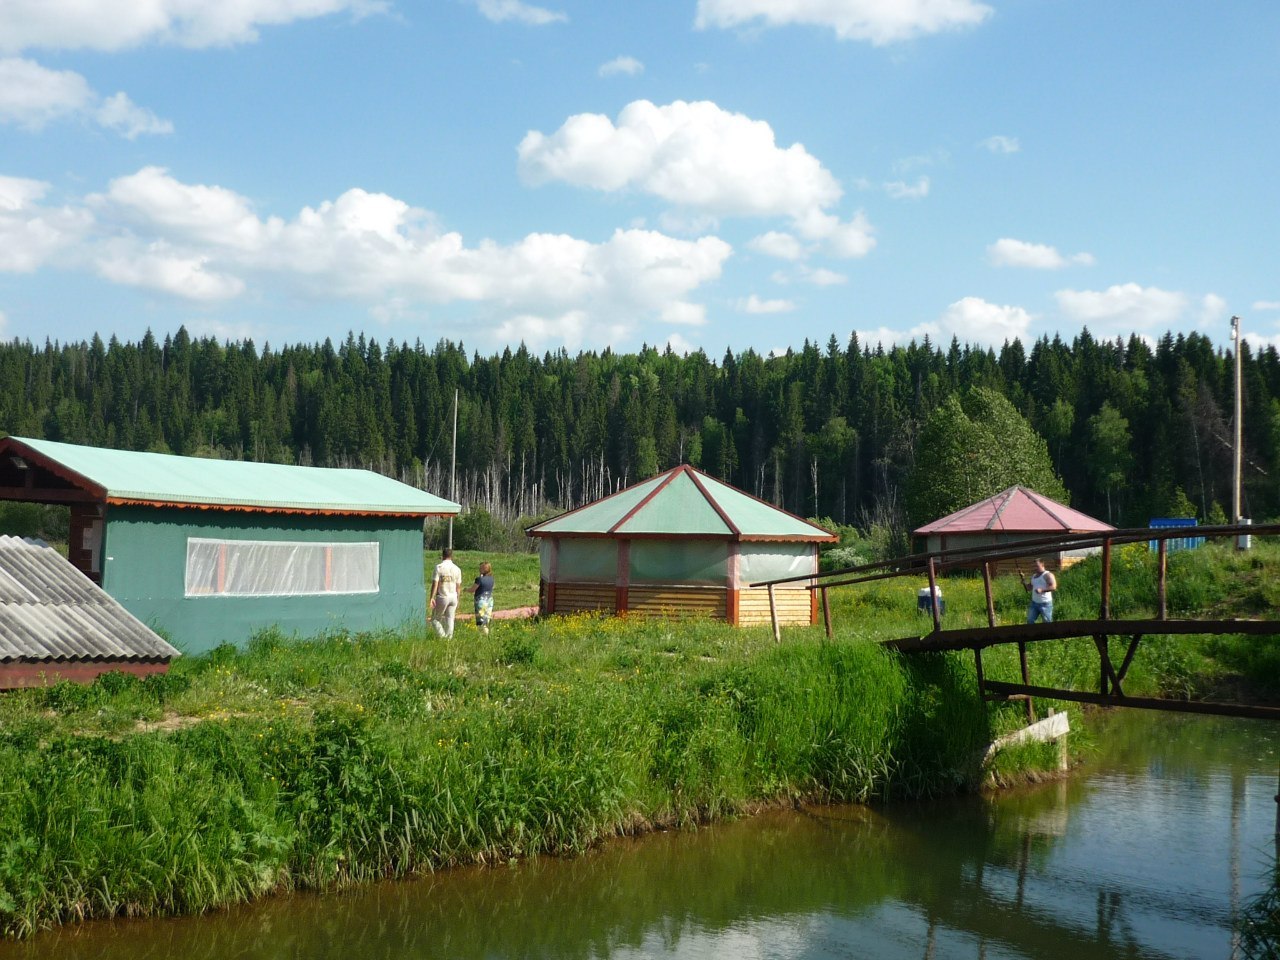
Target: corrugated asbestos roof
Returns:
[165, 479]
[1017, 509]
[50, 611]
[682, 502]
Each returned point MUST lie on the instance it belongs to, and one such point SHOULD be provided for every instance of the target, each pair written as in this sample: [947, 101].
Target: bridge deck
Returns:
[979, 638]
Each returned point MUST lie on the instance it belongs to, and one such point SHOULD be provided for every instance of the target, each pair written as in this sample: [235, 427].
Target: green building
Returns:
[211, 551]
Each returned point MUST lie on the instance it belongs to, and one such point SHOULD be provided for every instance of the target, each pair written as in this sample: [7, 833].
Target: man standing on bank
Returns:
[1043, 583]
[444, 593]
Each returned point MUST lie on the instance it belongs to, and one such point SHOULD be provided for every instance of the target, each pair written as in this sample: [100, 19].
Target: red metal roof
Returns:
[1016, 510]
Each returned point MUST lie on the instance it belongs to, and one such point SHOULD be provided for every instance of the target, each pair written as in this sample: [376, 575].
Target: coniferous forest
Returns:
[832, 430]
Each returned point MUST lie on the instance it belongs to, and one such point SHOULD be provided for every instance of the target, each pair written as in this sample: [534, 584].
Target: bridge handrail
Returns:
[917, 563]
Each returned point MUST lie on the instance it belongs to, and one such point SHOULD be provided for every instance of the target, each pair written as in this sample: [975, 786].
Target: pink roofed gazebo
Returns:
[1018, 513]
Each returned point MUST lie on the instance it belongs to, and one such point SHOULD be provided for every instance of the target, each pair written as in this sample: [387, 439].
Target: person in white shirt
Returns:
[1042, 585]
[443, 600]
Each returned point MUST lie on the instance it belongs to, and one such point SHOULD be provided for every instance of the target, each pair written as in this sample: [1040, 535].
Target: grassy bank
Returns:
[344, 759]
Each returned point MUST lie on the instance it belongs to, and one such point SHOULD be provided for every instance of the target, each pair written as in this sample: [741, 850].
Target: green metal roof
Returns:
[682, 502]
[161, 478]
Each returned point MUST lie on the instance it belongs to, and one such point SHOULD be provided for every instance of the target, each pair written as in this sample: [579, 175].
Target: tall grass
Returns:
[352, 758]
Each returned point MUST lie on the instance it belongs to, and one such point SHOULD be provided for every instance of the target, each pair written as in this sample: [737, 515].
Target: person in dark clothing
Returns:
[483, 591]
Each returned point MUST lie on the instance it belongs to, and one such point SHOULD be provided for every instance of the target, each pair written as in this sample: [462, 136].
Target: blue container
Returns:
[1175, 543]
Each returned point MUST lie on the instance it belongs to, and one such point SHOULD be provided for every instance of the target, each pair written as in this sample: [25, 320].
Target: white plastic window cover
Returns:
[279, 568]
[587, 560]
[773, 561]
[679, 561]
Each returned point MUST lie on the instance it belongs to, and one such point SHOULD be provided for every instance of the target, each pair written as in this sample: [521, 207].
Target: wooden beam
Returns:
[970, 637]
[1026, 678]
[1210, 707]
[773, 616]
[1128, 657]
[933, 596]
[1162, 585]
[48, 495]
[986, 585]
[1105, 611]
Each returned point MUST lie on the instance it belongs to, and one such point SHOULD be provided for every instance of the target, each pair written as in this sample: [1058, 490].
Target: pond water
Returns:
[1146, 852]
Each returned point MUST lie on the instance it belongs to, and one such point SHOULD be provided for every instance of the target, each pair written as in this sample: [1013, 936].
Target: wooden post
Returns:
[1161, 588]
[622, 583]
[1100, 641]
[982, 680]
[732, 598]
[1026, 679]
[826, 612]
[773, 616]
[933, 596]
[986, 583]
[1105, 612]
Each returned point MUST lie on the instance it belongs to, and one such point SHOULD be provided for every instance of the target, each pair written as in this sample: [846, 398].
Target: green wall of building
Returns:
[144, 563]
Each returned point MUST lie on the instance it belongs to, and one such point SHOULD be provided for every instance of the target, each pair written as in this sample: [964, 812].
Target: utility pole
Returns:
[1235, 450]
[453, 465]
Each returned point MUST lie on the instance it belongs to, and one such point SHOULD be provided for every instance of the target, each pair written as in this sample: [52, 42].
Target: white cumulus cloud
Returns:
[970, 319]
[1266, 305]
[701, 158]
[205, 242]
[124, 24]
[157, 267]
[31, 233]
[1124, 305]
[753, 304]
[1007, 252]
[901, 190]
[818, 276]
[622, 66]
[502, 11]
[878, 21]
[822, 277]
[680, 345]
[32, 96]
[1002, 144]
[117, 112]
[775, 243]
[684, 313]
[1213, 309]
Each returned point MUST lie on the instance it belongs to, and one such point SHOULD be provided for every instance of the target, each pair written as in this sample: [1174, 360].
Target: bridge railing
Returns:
[932, 563]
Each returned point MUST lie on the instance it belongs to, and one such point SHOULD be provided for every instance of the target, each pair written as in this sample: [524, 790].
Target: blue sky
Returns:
[705, 173]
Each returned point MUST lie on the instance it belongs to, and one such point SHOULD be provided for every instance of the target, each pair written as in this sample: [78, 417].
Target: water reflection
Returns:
[1145, 856]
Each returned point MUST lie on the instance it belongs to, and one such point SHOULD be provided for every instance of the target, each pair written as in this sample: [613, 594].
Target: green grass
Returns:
[515, 576]
[344, 759]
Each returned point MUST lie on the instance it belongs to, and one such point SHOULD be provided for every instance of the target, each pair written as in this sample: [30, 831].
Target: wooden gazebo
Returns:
[680, 543]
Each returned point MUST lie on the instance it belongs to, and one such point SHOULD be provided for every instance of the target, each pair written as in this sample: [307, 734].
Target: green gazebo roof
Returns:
[682, 502]
[161, 479]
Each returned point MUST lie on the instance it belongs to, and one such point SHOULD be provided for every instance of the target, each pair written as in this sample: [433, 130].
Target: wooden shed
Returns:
[213, 551]
[1018, 513]
[680, 543]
